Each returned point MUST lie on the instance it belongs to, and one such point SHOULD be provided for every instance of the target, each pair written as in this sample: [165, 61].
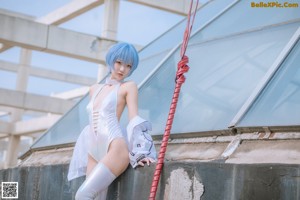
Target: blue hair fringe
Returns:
[124, 52]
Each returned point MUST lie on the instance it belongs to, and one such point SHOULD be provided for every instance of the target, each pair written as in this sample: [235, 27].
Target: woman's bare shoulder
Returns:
[129, 85]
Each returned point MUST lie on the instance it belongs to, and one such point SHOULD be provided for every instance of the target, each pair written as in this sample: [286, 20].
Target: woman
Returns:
[108, 149]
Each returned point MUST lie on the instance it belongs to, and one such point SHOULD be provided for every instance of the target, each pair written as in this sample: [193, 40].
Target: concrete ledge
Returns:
[211, 181]
[239, 149]
[48, 157]
[284, 151]
[198, 151]
[195, 168]
[47, 182]
[179, 180]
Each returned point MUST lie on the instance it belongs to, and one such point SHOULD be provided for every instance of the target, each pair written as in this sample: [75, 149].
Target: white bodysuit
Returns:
[103, 128]
[104, 123]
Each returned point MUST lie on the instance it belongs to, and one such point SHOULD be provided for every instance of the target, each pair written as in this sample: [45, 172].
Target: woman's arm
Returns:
[132, 99]
[141, 146]
[132, 104]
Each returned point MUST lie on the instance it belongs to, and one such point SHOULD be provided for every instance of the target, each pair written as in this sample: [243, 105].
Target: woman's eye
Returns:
[129, 66]
[119, 62]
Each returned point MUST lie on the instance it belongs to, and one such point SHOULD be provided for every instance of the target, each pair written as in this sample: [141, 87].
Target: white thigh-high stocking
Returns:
[96, 184]
[102, 195]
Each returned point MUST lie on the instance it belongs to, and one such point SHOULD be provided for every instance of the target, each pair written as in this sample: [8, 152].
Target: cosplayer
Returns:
[102, 151]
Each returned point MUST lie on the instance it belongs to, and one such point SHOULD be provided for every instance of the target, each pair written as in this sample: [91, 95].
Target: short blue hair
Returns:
[124, 52]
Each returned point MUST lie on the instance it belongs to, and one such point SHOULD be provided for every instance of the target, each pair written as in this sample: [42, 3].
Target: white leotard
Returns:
[104, 123]
[103, 128]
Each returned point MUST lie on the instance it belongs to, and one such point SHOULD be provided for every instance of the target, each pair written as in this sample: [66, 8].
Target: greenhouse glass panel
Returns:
[173, 37]
[146, 66]
[279, 103]
[243, 17]
[223, 74]
[67, 129]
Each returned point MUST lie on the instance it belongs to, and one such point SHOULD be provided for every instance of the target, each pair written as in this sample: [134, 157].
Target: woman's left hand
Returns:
[147, 160]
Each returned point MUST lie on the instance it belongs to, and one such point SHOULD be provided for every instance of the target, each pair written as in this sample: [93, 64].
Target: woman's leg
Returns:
[101, 175]
[90, 165]
[98, 181]
[117, 158]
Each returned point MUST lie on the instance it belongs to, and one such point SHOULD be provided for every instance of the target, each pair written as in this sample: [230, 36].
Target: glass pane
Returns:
[279, 104]
[243, 17]
[67, 129]
[146, 66]
[223, 74]
[173, 37]
[220, 85]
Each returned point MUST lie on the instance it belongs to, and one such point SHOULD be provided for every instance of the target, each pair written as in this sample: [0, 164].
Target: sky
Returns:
[137, 24]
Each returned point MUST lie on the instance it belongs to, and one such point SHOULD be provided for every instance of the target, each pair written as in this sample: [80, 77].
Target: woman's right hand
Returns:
[147, 160]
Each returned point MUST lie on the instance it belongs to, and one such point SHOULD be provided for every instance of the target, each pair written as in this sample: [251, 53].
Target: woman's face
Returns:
[120, 71]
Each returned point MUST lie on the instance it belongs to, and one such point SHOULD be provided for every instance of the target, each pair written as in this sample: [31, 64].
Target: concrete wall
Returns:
[179, 181]
[45, 182]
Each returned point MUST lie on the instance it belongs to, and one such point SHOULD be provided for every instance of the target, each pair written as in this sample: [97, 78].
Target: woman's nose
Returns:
[122, 68]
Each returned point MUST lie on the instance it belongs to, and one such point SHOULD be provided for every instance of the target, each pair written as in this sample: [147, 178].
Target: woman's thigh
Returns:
[117, 158]
[90, 165]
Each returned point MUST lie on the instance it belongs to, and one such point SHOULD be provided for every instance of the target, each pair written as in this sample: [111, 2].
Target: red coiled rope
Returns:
[182, 68]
